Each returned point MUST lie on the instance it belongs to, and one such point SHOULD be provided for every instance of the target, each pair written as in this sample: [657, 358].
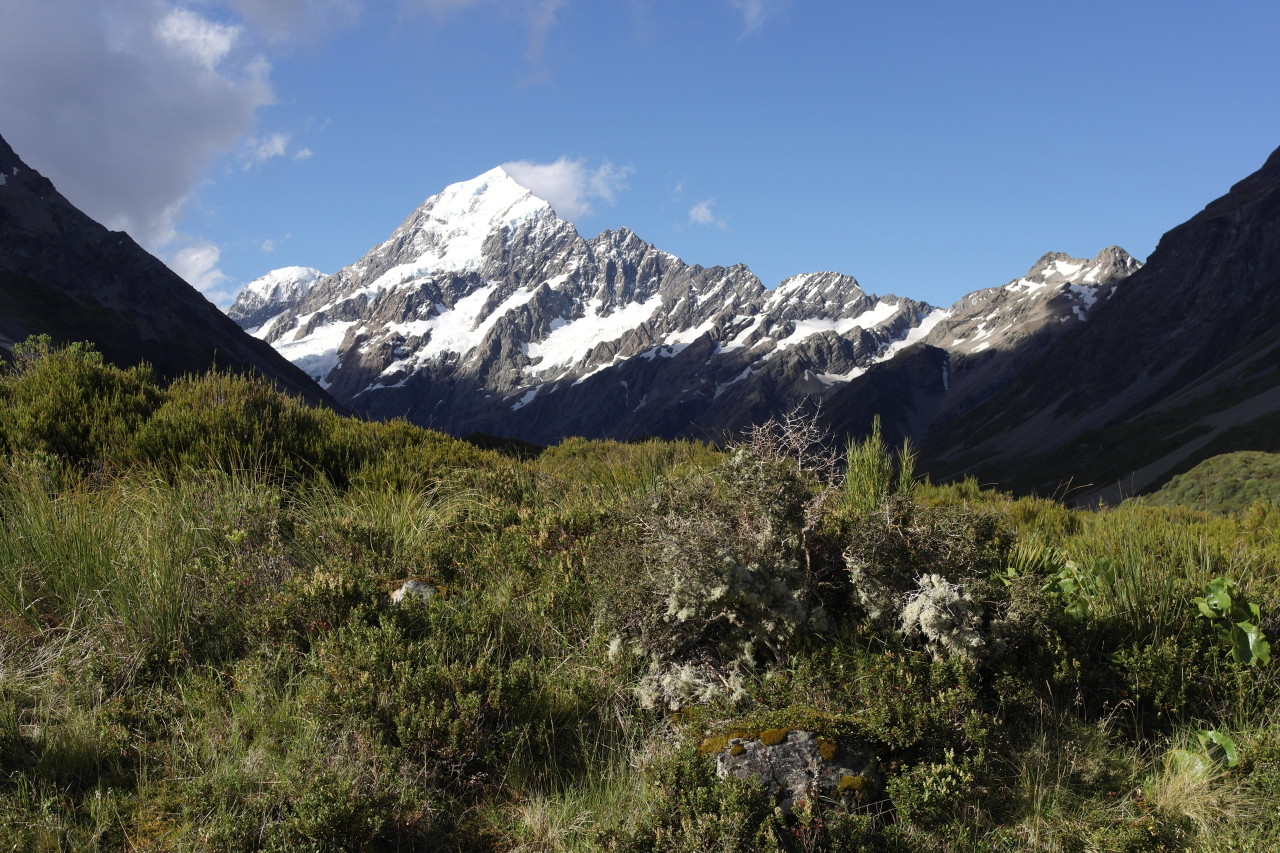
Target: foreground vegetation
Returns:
[199, 649]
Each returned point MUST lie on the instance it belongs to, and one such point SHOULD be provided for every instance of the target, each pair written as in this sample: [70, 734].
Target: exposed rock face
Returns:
[1057, 292]
[485, 312]
[1182, 362]
[803, 769]
[962, 355]
[64, 275]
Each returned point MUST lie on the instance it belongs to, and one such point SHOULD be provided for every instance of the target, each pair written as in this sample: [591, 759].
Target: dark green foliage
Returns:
[68, 404]
[693, 810]
[224, 421]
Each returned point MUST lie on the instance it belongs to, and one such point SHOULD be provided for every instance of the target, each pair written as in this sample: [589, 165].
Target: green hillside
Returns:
[207, 642]
[1227, 483]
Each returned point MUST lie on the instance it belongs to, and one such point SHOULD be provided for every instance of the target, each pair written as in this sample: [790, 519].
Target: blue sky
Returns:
[927, 148]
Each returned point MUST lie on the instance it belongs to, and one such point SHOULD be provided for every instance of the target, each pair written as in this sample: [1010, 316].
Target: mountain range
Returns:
[486, 312]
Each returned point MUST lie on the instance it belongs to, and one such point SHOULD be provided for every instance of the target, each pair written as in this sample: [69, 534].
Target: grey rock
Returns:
[797, 774]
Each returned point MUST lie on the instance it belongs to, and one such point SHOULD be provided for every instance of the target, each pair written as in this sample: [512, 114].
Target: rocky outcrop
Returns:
[64, 275]
[802, 769]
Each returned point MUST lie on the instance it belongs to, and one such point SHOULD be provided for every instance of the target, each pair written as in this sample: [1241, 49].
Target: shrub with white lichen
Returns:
[722, 587]
[946, 616]
[925, 572]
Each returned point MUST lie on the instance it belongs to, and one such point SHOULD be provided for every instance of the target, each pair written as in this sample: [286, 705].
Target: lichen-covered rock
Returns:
[802, 769]
[413, 590]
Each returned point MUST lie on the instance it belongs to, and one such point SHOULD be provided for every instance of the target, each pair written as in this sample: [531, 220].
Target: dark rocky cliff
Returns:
[65, 275]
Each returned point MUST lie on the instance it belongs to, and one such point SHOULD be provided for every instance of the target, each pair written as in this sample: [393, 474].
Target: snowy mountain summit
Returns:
[486, 312]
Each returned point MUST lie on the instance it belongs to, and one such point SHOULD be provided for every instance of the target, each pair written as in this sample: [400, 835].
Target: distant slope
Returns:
[1183, 363]
[977, 347]
[1226, 483]
[65, 275]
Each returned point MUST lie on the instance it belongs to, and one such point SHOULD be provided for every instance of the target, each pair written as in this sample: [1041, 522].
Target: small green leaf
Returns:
[1194, 763]
[1219, 600]
[1205, 610]
[1259, 650]
[1220, 747]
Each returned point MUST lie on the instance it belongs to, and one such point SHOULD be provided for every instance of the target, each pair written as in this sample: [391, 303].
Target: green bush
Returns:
[67, 403]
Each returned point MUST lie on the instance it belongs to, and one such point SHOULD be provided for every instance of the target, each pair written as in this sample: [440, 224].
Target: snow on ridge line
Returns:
[874, 316]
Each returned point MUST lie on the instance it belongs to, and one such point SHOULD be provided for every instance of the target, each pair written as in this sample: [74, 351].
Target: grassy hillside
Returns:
[1231, 482]
[200, 649]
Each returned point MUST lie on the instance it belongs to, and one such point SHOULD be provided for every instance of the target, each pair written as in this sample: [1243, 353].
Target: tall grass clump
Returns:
[872, 473]
[121, 554]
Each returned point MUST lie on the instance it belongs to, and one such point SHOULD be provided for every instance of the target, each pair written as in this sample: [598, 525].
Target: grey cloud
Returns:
[124, 106]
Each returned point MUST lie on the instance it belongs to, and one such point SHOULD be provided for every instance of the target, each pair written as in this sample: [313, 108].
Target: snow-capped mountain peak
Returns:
[1057, 291]
[265, 297]
[488, 201]
[485, 311]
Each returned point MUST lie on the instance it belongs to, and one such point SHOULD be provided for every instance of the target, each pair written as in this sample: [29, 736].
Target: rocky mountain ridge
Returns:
[486, 312]
[65, 275]
[1181, 364]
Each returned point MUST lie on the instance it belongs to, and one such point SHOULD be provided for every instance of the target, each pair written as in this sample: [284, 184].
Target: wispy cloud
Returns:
[277, 21]
[755, 12]
[542, 18]
[538, 16]
[257, 151]
[570, 185]
[700, 214]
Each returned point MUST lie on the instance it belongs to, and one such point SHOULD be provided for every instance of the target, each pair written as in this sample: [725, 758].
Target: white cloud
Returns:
[198, 264]
[700, 214]
[755, 13]
[258, 150]
[198, 39]
[303, 154]
[569, 185]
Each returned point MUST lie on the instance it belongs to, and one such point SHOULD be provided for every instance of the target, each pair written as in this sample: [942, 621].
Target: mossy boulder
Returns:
[803, 769]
